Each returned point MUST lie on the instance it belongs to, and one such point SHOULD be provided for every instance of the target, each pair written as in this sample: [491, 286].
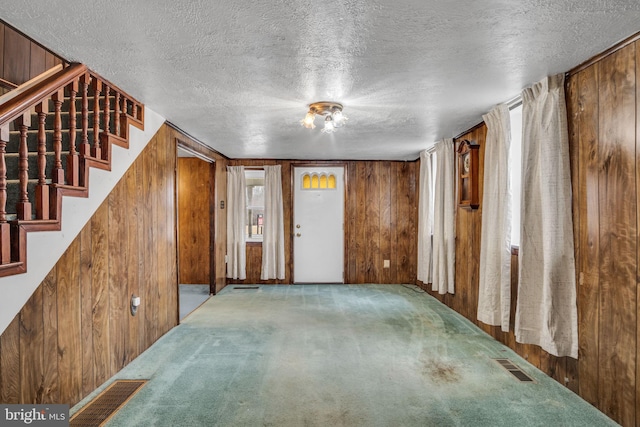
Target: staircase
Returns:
[52, 131]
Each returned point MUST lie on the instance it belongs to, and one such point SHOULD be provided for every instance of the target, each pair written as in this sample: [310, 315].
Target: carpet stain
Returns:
[442, 373]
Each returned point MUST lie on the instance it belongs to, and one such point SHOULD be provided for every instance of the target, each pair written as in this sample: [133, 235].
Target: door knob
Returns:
[298, 234]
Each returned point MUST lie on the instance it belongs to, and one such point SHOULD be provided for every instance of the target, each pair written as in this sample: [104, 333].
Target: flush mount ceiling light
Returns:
[332, 112]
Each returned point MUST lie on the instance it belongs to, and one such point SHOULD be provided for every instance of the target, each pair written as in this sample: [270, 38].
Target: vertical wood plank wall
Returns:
[22, 59]
[76, 330]
[381, 219]
[603, 103]
[194, 256]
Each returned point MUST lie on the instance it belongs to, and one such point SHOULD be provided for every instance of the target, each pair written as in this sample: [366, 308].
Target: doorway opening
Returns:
[195, 177]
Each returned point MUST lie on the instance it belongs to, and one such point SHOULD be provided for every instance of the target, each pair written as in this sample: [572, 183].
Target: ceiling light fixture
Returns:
[332, 112]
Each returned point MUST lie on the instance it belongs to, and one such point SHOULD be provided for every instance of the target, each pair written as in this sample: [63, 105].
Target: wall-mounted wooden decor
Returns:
[468, 165]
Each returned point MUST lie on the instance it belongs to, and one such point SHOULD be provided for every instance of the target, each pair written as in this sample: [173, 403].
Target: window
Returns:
[316, 182]
[515, 160]
[255, 204]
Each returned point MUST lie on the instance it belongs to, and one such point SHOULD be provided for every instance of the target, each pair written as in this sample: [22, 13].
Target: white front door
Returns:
[318, 225]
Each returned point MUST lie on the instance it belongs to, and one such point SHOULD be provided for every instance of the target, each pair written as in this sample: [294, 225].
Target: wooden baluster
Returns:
[85, 148]
[73, 164]
[5, 230]
[116, 116]
[106, 112]
[24, 206]
[134, 110]
[42, 189]
[97, 88]
[57, 175]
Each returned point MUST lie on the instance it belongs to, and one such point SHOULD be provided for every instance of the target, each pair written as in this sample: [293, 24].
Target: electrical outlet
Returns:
[386, 263]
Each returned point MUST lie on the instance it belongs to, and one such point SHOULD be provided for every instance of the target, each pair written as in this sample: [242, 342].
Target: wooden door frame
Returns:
[196, 150]
[345, 223]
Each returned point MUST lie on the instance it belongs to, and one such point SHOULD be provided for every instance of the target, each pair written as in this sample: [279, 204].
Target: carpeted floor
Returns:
[338, 355]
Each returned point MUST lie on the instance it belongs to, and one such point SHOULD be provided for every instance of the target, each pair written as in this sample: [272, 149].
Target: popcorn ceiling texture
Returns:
[239, 75]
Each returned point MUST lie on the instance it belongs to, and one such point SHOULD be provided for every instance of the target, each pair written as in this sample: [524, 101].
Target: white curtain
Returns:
[546, 312]
[444, 233]
[494, 300]
[236, 218]
[273, 233]
[425, 218]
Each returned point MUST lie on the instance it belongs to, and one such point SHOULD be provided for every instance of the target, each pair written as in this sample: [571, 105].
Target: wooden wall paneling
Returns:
[37, 60]
[100, 294]
[361, 230]
[213, 206]
[393, 223]
[50, 60]
[221, 223]
[618, 236]
[384, 197]
[17, 50]
[583, 103]
[150, 278]
[88, 373]
[144, 313]
[570, 379]
[287, 191]
[403, 226]
[118, 277]
[412, 215]
[31, 349]
[50, 386]
[589, 233]
[69, 325]
[10, 373]
[131, 262]
[173, 314]
[373, 261]
[163, 283]
[637, 159]
[193, 220]
[351, 216]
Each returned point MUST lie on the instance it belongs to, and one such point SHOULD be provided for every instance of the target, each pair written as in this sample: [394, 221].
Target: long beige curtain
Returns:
[494, 299]
[236, 207]
[273, 234]
[546, 312]
[425, 218]
[444, 233]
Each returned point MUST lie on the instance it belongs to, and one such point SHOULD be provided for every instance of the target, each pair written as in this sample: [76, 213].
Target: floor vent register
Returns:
[106, 404]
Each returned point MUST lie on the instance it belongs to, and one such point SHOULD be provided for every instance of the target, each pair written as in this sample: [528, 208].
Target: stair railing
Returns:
[33, 135]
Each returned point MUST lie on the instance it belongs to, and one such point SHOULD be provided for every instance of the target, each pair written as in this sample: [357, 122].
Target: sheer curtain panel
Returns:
[546, 312]
[236, 247]
[425, 218]
[273, 234]
[494, 299]
[444, 233]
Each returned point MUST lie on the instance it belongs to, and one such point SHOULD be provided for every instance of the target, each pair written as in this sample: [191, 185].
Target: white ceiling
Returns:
[239, 75]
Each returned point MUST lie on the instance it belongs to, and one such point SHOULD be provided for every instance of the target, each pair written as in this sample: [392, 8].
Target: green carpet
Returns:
[338, 355]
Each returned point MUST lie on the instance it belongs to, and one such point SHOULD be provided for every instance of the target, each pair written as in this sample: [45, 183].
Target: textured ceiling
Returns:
[238, 75]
